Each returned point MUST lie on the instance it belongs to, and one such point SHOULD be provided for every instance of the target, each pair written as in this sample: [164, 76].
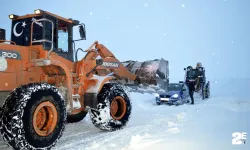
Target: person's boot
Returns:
[192, 102]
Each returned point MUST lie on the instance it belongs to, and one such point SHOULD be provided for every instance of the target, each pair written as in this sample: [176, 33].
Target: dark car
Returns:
[177, 94]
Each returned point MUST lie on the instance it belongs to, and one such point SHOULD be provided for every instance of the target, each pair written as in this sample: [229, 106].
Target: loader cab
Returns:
[51, 31]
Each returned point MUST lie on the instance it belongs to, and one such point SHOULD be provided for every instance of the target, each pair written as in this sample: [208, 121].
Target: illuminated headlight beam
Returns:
[175, 96]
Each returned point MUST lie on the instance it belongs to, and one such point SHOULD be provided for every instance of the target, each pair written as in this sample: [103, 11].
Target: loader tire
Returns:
[76, 117]
[33, 117]
[203, 91]
[208, 90]
[113, 109]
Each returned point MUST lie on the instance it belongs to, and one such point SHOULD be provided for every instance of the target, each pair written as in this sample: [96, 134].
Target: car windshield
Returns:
[175, 87]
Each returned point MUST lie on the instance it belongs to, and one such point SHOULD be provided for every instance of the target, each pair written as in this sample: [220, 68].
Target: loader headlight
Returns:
[38, 11]
[12, 16]
[175, 96]
[3, 64]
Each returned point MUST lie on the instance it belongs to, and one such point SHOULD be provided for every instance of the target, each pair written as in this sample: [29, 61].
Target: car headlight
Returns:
[175, 96]
[157, 95]
[3, 63]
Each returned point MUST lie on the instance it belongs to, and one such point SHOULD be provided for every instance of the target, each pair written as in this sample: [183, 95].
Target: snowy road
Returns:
[206, 125]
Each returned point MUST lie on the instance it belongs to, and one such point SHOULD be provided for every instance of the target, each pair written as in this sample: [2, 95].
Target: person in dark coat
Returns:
[194, 85]
[191, 87]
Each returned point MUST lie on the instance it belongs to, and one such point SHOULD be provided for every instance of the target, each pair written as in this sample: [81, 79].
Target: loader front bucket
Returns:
[150, 74]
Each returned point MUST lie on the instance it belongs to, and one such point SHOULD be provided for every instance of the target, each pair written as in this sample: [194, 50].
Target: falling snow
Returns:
[91, 13]
[183, 5]
[146, 5]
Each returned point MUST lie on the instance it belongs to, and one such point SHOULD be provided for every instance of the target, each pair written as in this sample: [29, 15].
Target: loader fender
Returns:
[100, 81]
[90, 96]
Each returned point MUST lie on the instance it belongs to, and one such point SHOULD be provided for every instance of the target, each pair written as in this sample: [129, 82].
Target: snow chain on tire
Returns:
[101, 117]
[16, 124]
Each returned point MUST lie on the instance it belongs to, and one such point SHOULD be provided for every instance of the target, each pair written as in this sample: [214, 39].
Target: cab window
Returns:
[63, 37]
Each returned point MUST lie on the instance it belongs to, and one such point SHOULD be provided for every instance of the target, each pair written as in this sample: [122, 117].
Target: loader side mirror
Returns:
[82, 32]
[2, 34]
[184, 68]
[79, 32]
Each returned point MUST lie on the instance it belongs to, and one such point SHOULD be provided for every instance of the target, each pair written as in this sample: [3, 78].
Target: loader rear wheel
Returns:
[71, 118]
[33, 117]
[113, 109]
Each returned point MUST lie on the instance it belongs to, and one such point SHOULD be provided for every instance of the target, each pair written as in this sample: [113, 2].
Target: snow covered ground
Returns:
[207, 125]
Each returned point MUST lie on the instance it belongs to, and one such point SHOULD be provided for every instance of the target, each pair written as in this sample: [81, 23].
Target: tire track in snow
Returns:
[94, 139]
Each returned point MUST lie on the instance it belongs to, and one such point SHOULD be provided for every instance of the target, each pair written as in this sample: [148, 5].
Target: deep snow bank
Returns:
[209, 124]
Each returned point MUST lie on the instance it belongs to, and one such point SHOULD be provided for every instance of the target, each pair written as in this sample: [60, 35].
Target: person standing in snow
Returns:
[198, 74]
[191, 87]
[198, 65]
[194, 85]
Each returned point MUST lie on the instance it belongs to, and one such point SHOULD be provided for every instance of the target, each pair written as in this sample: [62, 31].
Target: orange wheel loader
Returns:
[43, 85]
